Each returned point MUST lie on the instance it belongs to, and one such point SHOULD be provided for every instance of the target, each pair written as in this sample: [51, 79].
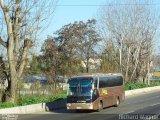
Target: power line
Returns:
[109, 5]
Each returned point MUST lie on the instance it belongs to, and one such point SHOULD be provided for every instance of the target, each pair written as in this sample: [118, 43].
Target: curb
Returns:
[142, 90]
[40, 107]
[24, 109]
[60, 104]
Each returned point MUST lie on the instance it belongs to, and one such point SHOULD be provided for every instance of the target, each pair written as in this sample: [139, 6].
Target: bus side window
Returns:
[95, 82]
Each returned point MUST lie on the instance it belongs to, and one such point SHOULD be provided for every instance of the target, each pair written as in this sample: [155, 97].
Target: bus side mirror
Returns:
[95, 92]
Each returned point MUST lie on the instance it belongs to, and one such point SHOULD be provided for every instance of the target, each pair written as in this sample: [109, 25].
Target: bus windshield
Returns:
[80, 87]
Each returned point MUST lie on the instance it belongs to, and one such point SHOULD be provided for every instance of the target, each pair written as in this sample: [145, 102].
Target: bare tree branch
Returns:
[3, 43]
[132, 30]
[18, 17]
[27, 45]
[8, 23]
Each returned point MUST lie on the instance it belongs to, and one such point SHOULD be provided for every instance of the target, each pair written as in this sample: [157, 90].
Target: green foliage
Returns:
[35, 65]
[155, 83]
[131, 86]
[7, 105]
[29, 99]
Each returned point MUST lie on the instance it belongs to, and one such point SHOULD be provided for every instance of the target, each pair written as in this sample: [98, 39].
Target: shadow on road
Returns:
[65, 111]
[59, 106]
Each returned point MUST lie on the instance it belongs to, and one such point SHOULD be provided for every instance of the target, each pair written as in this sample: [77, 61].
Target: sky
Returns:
[68, 11]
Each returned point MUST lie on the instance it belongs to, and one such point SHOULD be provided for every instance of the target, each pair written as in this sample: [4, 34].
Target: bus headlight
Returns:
[88, 104]
[68, 104]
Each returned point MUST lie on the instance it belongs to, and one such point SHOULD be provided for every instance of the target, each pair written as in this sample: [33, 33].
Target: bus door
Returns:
[106, 97]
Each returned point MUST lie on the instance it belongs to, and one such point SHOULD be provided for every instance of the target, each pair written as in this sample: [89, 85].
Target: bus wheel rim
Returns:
[117, 101]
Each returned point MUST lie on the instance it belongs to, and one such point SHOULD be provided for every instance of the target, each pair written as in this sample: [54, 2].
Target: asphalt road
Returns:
[141, 107]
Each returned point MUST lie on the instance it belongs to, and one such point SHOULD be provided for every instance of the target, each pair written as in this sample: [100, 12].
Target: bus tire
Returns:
[117, 102]
[100, 106]
[79, 111]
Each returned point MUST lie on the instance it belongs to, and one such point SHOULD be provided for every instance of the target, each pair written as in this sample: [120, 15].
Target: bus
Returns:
[95, 91]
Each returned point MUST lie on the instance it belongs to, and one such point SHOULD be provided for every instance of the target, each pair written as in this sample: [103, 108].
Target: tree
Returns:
[21, 22]
[35, 67]
[54, 60]
[156, 62]
[88, 39]
[53, 56]
[82, 39]
[109, 61]
[3, 77]
[131, 28]
[71, 45]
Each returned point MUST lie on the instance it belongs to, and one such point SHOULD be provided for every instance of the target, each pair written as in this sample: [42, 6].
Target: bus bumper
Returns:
[79, 106]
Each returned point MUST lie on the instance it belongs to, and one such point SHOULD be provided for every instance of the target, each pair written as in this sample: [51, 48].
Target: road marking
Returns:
[142, 100]
[142, 108]
[154, 104]
[130, 112]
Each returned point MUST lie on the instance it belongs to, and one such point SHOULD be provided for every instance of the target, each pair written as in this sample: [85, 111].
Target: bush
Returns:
[155, 83]
[7, 105]
[29, 99]
[131, 86]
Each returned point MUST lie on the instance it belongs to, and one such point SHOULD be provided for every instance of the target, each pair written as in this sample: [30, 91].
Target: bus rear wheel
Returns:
[100, 106]
[117, 102]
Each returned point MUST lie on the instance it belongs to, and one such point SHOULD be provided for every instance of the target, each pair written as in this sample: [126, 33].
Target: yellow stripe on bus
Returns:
[104, 91]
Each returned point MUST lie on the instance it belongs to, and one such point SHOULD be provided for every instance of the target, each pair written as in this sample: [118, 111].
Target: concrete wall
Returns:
[142, 90]
[35, 108]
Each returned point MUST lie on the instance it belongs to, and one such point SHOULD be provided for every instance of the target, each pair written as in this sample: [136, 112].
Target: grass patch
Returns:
[7, 105]
[132, 86]
[29, 99]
